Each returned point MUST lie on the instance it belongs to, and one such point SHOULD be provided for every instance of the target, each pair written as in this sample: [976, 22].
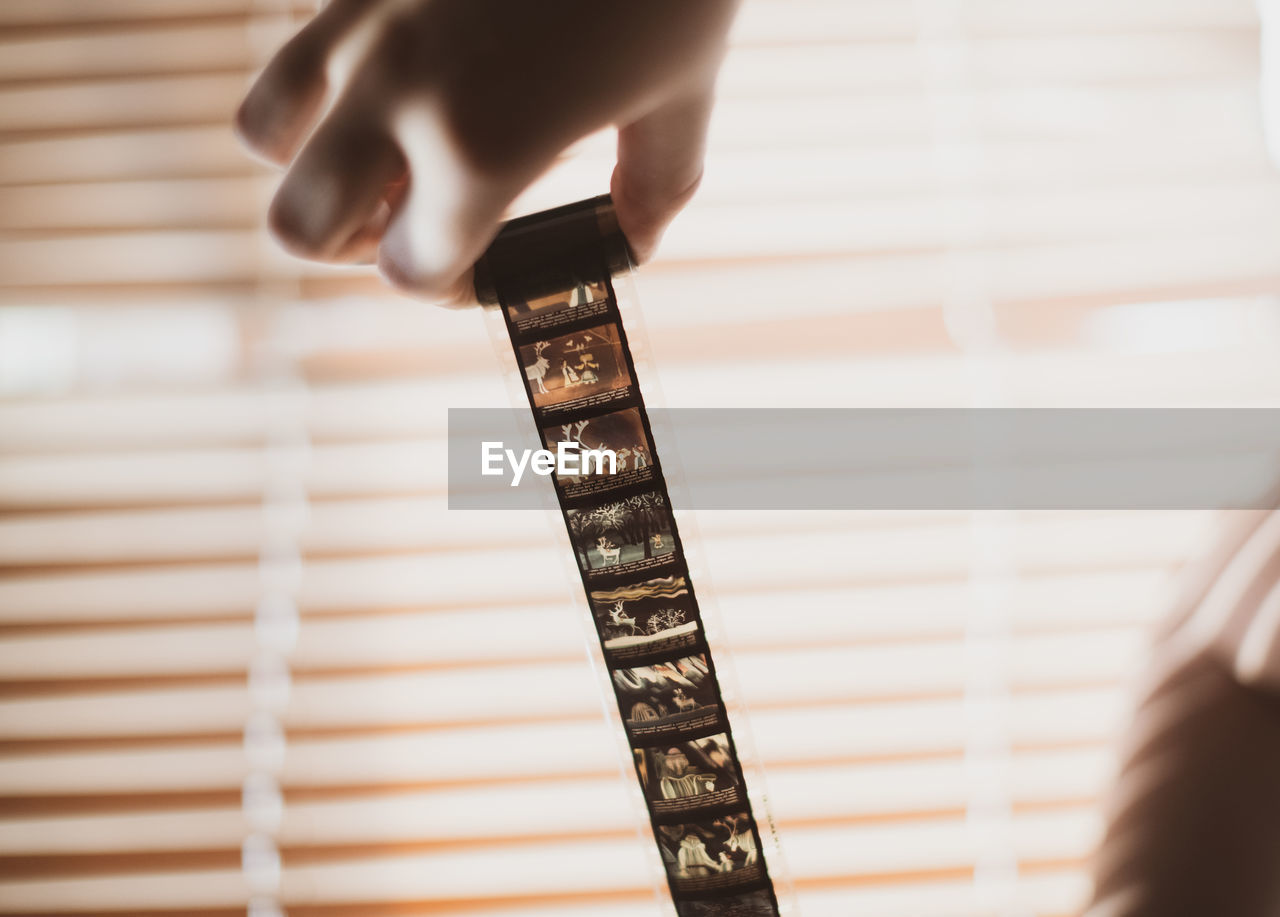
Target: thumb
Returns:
[660, 159]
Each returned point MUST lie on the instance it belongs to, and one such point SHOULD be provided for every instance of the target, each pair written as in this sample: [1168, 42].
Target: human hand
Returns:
[440, 112]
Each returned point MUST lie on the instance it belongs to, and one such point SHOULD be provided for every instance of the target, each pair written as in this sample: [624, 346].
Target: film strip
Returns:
[552, 276]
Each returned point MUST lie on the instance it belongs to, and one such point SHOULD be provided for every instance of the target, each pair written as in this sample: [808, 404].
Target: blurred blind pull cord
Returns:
[276, 625]
[284, 514]
[553, 277]
[968, 312]
[1269, 12]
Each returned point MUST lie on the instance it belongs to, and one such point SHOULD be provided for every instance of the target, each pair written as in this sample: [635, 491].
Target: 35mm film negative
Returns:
[552, 277]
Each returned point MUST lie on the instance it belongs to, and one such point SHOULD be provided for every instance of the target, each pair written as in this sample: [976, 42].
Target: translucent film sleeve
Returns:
[554, 278]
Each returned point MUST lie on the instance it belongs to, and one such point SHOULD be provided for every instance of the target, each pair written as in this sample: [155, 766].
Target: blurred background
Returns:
[250, 663]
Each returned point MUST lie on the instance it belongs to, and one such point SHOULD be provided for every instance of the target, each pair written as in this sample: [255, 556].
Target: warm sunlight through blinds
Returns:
[248, 659]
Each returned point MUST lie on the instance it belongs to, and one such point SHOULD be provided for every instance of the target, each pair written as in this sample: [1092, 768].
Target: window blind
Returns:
[248, 660]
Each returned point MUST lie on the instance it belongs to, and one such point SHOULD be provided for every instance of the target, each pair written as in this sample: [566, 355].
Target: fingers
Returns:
[450, 211]
[660, 159]
[334, 199]
[454, 201]
[282, 104]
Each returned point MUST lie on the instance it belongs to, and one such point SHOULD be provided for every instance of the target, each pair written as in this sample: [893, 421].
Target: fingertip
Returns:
[661, 158]
[463, 293]
[449, 289]
[248, 127]
[337, 187]
[293, 228]
[420, 253]
[642, 252]
[361, 247]
[644, 218]
[308, 215]
[392, 273]
[642, 242]
[280, 106]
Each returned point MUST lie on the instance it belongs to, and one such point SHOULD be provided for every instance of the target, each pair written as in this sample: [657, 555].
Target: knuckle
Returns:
[485, 142]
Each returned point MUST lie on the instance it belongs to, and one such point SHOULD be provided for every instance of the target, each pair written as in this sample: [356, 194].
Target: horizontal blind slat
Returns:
[474, 754]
